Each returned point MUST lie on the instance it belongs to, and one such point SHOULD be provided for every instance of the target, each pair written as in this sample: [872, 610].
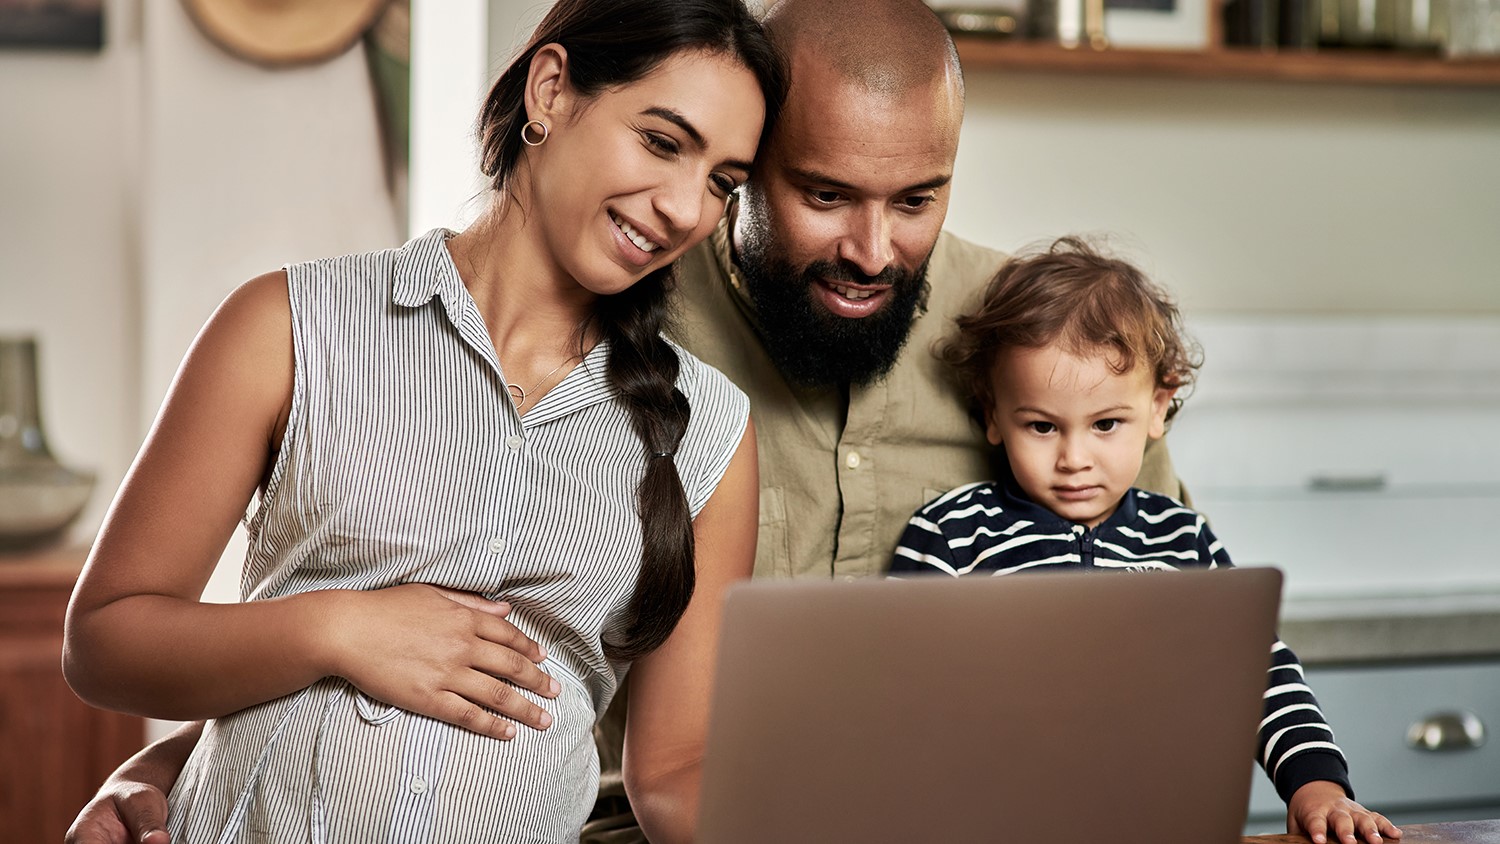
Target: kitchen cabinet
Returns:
[56, 749]
[1419, 739]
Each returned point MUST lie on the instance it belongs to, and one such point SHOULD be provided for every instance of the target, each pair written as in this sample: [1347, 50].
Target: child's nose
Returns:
[1073, 456]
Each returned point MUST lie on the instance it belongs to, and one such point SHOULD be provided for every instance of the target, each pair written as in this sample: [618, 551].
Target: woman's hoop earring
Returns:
[527, 130]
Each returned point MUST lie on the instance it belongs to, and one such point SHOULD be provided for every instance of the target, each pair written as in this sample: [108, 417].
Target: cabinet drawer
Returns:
[1371, 711]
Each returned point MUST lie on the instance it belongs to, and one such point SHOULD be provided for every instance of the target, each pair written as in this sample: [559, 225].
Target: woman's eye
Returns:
[1104, 426]
[723, 185]
[661, 143]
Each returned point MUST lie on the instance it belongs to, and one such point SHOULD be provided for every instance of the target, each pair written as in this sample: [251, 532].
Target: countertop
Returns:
[1393, 629]
[1460, 832]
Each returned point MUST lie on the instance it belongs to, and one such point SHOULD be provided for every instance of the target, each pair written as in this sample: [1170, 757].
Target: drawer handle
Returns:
[1446, 731]
[1374, 482]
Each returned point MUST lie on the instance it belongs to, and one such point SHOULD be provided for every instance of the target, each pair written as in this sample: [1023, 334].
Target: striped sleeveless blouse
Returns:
[404, 461]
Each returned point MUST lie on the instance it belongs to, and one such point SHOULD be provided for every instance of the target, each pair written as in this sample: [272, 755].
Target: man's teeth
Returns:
[852, 294]
[640, 242]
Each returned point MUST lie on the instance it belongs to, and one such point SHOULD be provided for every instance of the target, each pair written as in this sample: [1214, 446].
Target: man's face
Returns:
[839, 219]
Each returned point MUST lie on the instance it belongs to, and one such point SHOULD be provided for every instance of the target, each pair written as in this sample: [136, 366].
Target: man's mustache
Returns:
[844, 271]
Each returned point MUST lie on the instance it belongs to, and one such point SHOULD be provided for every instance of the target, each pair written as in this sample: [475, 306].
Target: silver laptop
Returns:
[1030, 708]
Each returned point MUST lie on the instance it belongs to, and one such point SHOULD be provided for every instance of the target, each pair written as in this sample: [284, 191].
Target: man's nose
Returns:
[867, 243]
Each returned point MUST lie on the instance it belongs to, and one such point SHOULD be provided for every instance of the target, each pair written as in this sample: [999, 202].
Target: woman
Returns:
[487, 485]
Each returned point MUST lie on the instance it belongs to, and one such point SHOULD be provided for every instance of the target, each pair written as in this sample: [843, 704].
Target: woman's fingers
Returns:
[522, 671]
[503, 633]
[503, 699]
[459, 711]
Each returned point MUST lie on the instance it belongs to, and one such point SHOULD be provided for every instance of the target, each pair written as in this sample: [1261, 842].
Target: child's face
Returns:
[1073, 428]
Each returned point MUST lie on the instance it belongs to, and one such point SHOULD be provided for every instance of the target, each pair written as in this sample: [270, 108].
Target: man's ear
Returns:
[548, 92]
[1161, 401]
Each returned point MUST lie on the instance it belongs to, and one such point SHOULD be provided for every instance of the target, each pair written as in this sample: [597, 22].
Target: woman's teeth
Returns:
[640, 242]
[852, 294]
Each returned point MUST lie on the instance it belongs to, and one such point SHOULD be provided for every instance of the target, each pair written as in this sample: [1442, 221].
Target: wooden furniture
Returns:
[56, 750]
[1338, 66]
[1464, 832]
[1218, 61]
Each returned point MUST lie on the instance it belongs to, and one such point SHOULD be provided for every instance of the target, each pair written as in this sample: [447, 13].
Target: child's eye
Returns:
[1041, 427]
[1104, 426]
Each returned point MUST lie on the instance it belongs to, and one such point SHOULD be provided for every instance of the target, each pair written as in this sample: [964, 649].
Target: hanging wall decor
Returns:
[52, 24]
[276, 33]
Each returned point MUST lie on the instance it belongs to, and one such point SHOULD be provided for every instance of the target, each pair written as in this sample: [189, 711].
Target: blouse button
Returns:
[513, 442]
[497, 545]
[418, 785]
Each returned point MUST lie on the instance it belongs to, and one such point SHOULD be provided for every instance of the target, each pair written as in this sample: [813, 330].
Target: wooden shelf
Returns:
[1340, 66]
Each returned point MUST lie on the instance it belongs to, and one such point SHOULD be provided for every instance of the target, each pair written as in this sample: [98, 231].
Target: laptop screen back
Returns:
[1048, 707]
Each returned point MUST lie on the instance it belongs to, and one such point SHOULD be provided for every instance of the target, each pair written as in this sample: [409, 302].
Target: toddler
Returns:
[1074, 362]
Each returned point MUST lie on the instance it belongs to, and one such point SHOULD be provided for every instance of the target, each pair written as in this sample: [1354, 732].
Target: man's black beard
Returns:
[812, 347]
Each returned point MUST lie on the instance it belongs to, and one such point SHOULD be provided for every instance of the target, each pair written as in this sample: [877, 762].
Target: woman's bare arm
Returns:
[669, 688]
[138, 639]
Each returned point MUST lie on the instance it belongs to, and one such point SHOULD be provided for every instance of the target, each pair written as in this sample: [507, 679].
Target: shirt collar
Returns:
[722, 241]
[423, 269]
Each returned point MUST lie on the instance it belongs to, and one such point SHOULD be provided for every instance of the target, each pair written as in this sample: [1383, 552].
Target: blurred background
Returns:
[1326, 213]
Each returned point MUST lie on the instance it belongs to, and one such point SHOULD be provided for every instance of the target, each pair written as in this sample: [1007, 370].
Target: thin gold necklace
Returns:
[519, 395]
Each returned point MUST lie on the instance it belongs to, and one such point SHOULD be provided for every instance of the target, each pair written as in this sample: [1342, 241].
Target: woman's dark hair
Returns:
[611, 43]
[1076, 296]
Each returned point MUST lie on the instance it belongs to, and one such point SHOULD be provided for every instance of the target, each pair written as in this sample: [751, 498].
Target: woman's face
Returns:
[630, 179]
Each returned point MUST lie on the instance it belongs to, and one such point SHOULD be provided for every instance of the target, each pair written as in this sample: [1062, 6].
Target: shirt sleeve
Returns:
[1295, 744]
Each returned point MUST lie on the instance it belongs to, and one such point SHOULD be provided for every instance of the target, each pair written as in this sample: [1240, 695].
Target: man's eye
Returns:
[1104, 426]
[827, 197]
[919, 201]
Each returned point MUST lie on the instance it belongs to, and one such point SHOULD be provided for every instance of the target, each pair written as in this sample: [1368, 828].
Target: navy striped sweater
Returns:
[992, 528]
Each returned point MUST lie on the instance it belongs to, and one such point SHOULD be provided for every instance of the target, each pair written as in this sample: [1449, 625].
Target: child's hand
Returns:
[1321, 811]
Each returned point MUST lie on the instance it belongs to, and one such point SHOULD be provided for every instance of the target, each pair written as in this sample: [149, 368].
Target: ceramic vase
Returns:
[39, 497]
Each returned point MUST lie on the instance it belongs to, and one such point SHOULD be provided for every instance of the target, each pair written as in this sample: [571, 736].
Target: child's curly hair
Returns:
[1074, 295]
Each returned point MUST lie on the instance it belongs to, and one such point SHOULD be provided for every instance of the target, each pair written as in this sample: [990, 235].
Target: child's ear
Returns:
[991, 429]
[548, 92]
[1161, 401]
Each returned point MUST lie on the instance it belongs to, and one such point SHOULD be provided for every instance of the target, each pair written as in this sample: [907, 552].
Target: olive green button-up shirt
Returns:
[842, 472]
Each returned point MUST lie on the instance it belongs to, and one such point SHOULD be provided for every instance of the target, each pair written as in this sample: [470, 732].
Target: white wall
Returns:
[1247, 197]
[67, 258]
[138, 186]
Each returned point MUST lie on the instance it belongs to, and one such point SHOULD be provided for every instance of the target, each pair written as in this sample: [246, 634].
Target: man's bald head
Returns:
[836, 224]
[884, 46]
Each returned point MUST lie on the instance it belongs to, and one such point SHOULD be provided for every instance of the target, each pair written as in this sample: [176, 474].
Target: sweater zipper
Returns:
[1085, 546]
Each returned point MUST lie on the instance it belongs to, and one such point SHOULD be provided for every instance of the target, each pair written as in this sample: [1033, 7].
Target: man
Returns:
[820, 296]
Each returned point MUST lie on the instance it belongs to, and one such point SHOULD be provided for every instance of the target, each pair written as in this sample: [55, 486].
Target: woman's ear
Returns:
[1161, 401]
[548, 94]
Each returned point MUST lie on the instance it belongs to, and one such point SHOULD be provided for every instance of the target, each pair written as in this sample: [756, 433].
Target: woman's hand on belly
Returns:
[438, 652]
